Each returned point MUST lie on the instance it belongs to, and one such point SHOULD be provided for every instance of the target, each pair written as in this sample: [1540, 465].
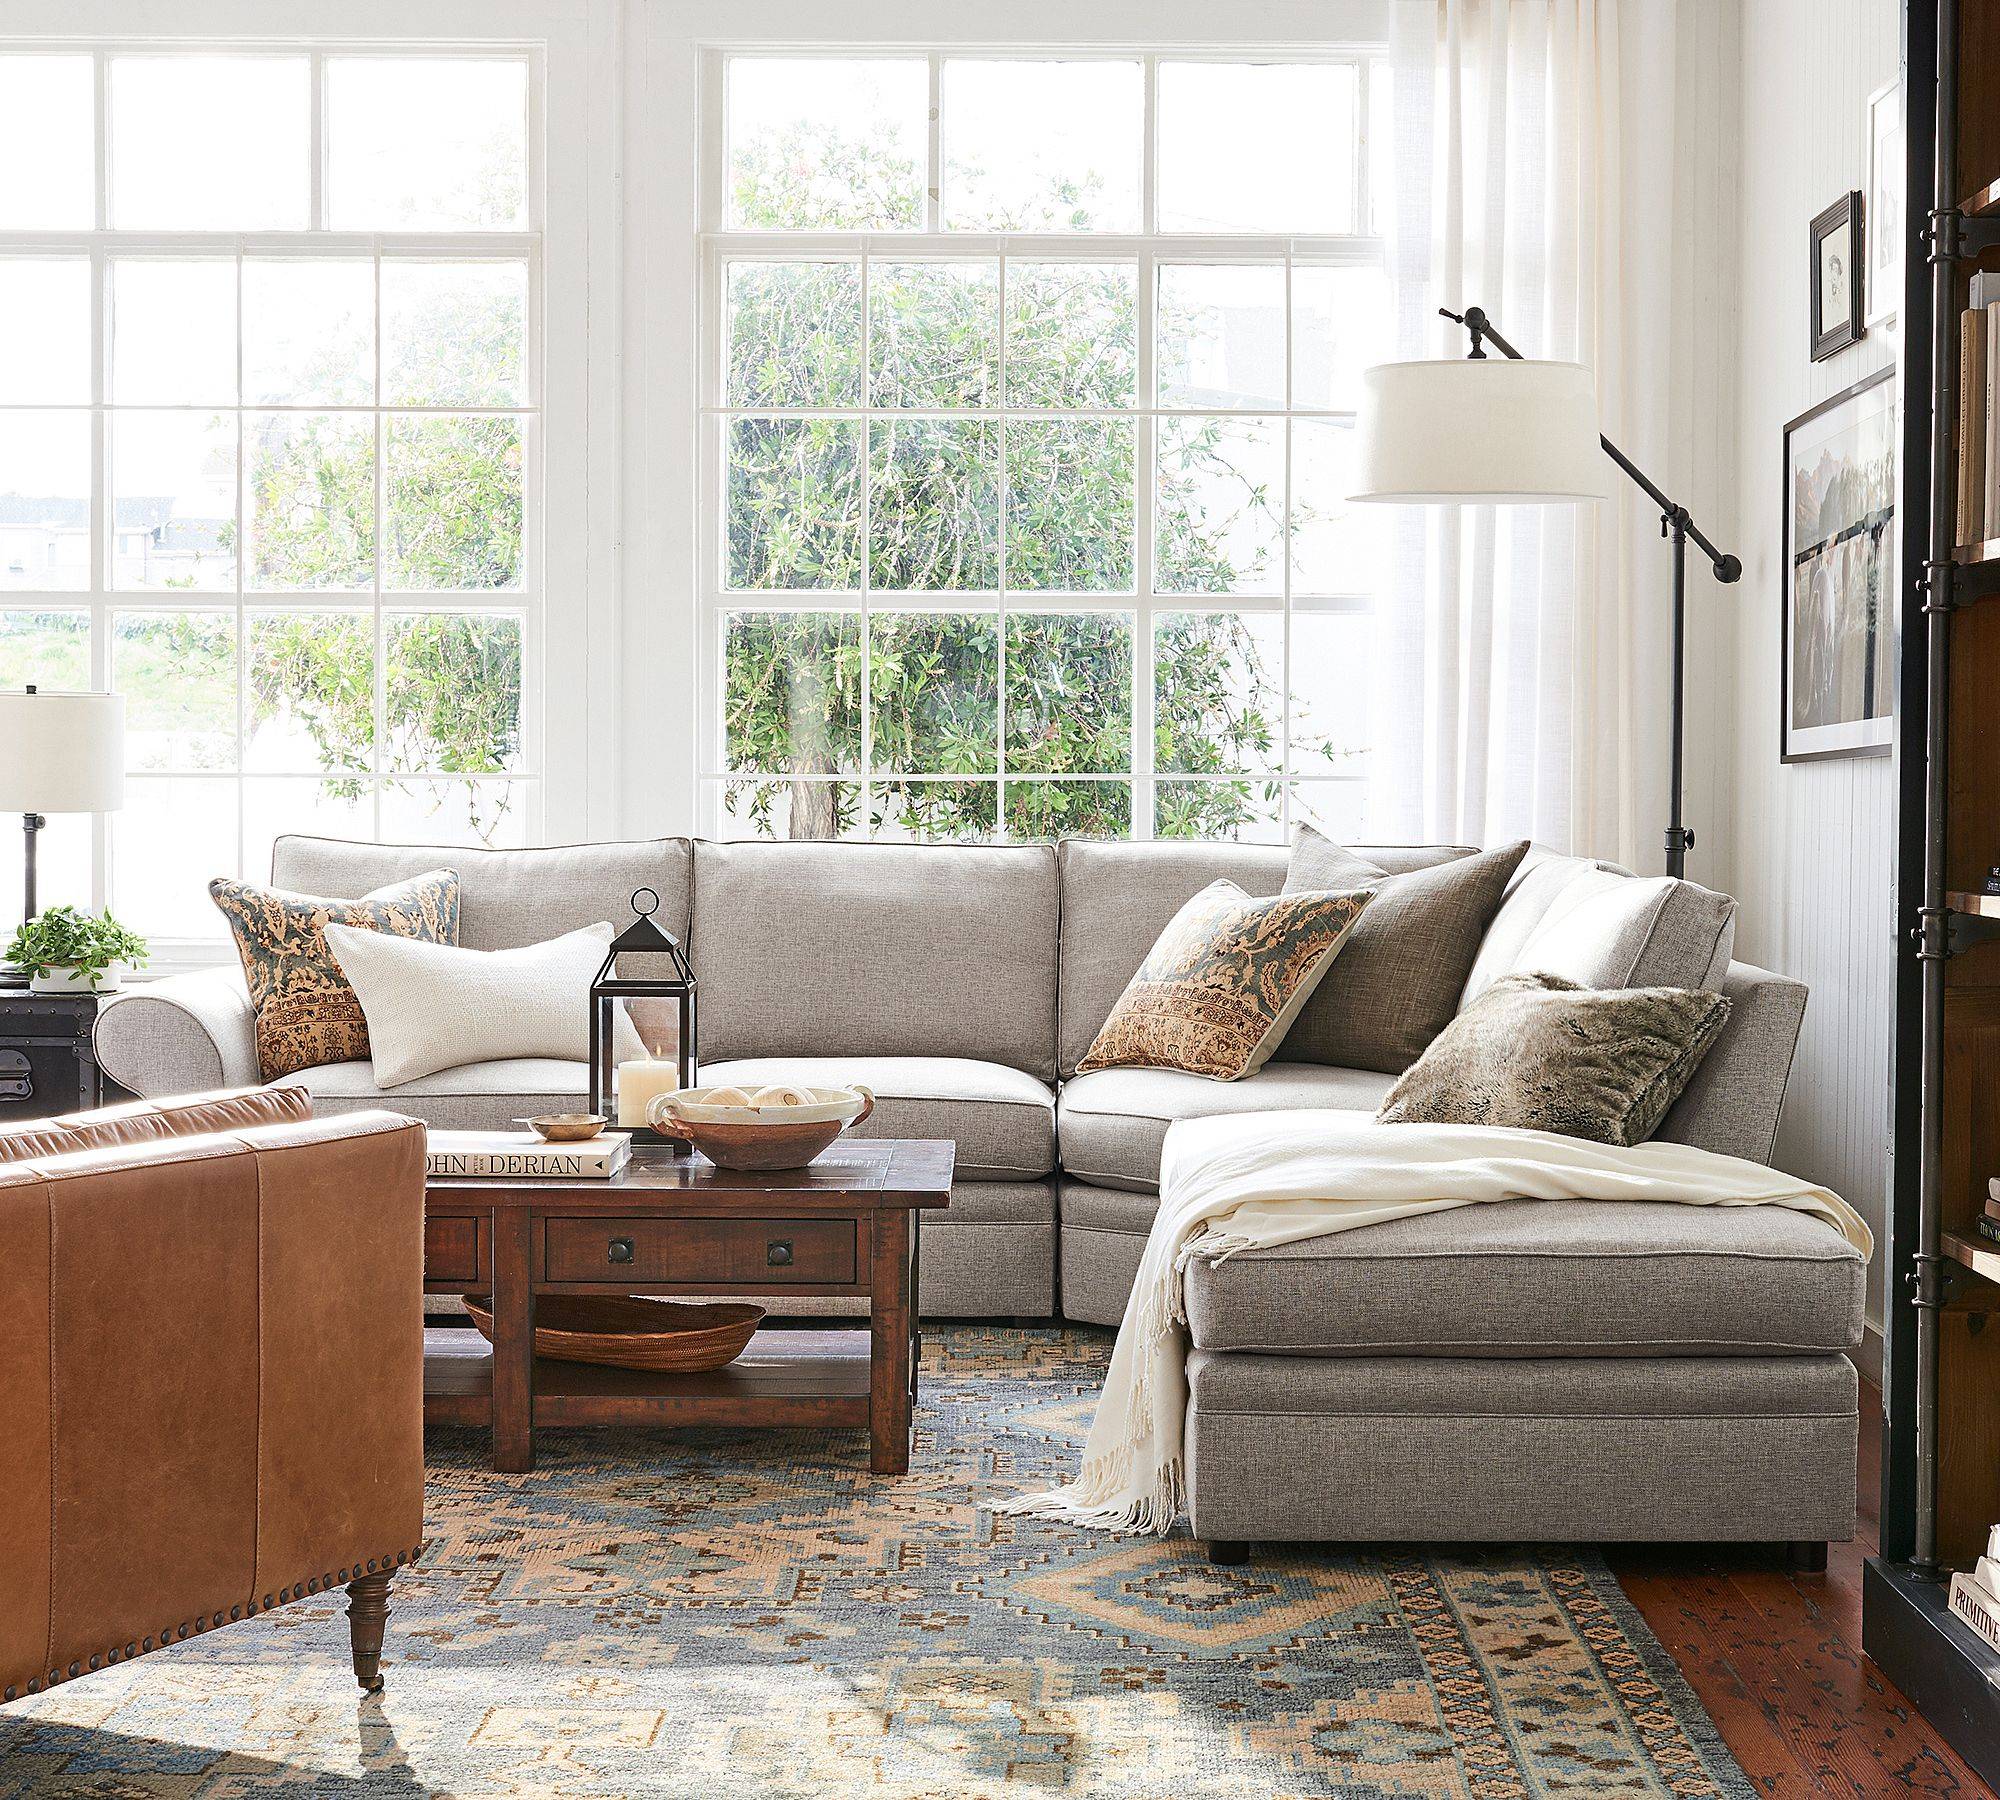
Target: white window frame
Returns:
[567, 596]
[1148, 249]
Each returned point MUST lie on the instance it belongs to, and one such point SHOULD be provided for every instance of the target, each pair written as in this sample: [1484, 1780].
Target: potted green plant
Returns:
[68, 951]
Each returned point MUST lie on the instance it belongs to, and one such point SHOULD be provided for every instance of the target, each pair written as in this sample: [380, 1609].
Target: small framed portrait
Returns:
[1836, 277]
[1837, 667]
[1884, 207]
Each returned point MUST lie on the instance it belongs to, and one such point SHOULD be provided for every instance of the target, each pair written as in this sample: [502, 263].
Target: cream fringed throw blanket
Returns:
[1257, 1179]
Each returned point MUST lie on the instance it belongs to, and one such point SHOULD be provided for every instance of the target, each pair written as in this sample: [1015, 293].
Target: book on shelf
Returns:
[522, 1153]
[1971, 444]
[1979, 1609]
[1987, 1227]
[1978, 496]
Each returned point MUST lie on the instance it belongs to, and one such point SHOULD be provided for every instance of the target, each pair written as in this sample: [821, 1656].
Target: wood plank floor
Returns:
[1776, 1658]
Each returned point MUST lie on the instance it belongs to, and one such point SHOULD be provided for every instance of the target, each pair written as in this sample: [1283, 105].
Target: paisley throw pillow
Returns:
[305, 1011]
[1223, 983]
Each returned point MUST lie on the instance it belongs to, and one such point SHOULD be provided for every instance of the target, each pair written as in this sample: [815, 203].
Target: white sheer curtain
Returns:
[1508, 645]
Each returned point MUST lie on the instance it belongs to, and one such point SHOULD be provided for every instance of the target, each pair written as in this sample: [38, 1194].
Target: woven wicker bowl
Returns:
[633, 1333]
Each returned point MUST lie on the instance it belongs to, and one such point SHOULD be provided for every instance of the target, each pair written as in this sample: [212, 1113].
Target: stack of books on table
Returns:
[1975, 1596]
[1979, 413]
[1988, 1222]
[523, 1153]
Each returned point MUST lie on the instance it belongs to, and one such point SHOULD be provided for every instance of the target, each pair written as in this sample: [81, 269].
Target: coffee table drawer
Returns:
[453, 1251]
[734, 1250]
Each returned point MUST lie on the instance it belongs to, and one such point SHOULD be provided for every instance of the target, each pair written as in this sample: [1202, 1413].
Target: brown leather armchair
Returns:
[211, 1374]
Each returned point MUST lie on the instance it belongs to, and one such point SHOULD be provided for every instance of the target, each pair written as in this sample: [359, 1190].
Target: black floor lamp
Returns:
[1518, 431]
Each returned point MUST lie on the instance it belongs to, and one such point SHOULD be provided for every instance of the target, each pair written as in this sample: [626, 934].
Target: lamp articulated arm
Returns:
[1676, 523]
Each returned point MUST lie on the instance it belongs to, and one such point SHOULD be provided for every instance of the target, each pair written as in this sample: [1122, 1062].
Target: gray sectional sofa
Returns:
[1575, 1370]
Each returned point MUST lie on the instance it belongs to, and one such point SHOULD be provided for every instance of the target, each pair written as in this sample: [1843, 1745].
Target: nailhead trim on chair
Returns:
[171, 1634]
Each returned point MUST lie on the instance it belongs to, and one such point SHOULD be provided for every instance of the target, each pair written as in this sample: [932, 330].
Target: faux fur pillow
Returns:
[1542, 1054]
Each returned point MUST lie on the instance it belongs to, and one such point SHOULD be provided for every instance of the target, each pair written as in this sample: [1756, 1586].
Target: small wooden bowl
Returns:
[629, 1332]
[762, 1137]
[565, 1128]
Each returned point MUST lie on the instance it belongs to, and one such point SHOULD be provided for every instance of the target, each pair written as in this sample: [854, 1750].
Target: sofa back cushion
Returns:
[877, 950]
[1397, 982]
[1117, 898]
[1601, 927]
[507, 898]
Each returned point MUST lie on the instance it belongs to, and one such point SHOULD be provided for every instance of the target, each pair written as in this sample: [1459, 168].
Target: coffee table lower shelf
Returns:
[784, 1378]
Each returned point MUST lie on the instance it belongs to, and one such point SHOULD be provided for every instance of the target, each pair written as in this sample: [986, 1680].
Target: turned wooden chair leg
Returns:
[367, 1613]
[1228, 1551]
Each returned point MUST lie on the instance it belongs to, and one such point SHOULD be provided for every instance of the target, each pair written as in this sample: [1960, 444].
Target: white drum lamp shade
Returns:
[1487, 430]
[61, 753]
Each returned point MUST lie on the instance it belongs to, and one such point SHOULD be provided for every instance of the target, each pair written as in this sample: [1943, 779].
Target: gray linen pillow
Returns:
[1398, 978]
[1541, 1053]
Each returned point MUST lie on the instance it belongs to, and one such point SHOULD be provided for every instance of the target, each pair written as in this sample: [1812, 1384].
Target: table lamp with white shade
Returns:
[1516, 432]
[59, 753]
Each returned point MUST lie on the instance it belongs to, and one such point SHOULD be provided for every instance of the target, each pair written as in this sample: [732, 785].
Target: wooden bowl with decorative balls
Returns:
[775, 1127]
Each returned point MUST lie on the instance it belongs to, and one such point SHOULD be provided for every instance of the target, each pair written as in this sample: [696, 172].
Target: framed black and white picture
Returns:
[1836, 277]
[1883, 283]
[1838, 659]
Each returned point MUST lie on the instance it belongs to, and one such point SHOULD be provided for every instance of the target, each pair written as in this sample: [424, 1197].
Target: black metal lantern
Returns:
[629, 1067]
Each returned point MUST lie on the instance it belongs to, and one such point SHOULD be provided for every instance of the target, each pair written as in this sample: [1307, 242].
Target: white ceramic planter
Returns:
[73, 981]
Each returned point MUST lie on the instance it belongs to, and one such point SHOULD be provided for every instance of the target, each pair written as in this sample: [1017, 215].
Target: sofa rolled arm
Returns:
[183, 1035]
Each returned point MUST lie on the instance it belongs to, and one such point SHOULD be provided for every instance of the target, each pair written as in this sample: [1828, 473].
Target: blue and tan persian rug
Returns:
[724, 1614]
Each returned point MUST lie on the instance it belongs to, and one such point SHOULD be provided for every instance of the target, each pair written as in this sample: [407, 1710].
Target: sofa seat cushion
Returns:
[1543, 1278]
[487, 1096]
[1111, 1123]
[1002, 1120]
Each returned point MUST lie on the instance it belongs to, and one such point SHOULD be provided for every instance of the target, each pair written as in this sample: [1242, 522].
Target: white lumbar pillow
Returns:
[435, 1006]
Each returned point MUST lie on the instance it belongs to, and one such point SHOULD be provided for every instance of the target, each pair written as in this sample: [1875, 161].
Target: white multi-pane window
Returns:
[1030, 390]
[269, 346]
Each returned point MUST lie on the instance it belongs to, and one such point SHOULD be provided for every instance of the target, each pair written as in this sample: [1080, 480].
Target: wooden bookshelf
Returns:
[1941, 1460]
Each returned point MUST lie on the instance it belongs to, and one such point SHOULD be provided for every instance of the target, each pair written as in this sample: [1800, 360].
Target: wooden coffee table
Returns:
[679, 1225]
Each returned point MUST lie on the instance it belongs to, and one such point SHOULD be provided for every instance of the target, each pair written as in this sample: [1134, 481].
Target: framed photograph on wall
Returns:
[1883, 208]
[1837, 663]
[1836, 277]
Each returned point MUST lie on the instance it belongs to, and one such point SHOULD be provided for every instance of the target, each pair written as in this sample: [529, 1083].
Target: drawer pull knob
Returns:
[778, 1252]
[619, 1250]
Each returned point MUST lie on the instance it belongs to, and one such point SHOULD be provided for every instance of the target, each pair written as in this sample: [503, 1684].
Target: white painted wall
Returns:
[1809, 847]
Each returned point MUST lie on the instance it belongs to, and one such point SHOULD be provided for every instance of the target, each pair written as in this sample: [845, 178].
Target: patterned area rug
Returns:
[724, 1614]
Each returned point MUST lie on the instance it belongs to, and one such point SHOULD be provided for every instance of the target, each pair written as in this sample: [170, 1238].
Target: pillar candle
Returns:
[638, 1082]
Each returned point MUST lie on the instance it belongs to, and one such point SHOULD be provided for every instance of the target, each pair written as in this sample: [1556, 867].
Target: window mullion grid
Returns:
[1285, 578]
[1143, 518]
[242, 617]
[1004, 533]
[1364, 149]
[934, 147]
[378, 636]
[101, 100]
[866, 451]
[101, 523]
[316, 142]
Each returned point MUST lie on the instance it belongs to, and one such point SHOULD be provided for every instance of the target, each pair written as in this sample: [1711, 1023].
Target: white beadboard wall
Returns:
[1809, 849]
